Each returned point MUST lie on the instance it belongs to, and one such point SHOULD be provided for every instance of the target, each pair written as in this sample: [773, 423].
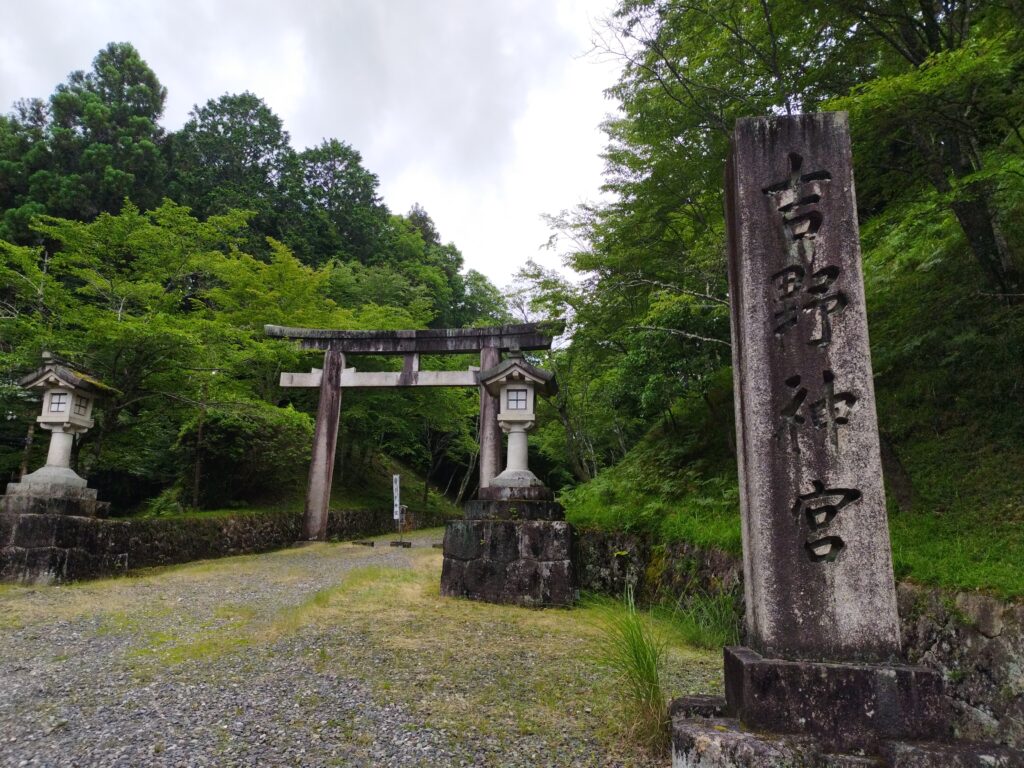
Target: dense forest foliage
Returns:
[154, 258]
[935, 92]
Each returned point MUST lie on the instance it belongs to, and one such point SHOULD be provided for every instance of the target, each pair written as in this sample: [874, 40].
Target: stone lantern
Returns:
[68, 398]
[55, 488]
[514, 545]
[516, 384]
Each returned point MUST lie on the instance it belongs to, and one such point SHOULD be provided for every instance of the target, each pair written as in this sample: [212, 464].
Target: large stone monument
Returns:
[514, 545]
[822, 660]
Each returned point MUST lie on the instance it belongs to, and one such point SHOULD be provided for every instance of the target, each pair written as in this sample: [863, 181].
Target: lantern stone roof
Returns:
[58, 372]
[516, 368]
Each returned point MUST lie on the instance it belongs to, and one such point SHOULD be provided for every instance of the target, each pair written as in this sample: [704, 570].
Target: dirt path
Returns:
[332, 654]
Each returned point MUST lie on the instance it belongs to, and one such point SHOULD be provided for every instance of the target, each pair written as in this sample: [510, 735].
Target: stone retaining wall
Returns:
[53, 548]
[976, 641]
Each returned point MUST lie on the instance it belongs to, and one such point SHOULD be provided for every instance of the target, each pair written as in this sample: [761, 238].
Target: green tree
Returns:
[334, 209]
[233, 153]
[96, 143]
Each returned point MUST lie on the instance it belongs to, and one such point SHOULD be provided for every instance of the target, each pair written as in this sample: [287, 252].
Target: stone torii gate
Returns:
[334, 376]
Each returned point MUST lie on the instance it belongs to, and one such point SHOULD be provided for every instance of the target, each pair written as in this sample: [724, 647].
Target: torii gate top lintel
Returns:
[432, 341]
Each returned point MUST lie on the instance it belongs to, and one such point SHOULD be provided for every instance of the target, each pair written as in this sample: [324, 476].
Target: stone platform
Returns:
[57, 498]
[49, 548]
[715, 742]
[803, 714]
[516, 551]
[844, 706]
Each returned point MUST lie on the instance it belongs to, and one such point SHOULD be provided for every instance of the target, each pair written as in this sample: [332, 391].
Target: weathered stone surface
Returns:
[511, 493]
[977, 642]
[984, 675]
[519, 562]
[844, 706]
[50, 477]
[433, 341]
[462, 540]
[480, 509]
[817, 563]
[611, 562]
[951, 755]
[721, 743]
[550, 542]
[698, 706]
[51, 499]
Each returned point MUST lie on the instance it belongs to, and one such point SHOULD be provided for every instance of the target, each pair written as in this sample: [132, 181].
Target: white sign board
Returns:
[396, 490]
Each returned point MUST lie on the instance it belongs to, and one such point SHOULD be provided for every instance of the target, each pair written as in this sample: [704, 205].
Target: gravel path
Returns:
[90, 677]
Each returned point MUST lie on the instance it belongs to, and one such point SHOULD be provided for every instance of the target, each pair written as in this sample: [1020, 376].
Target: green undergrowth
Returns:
[677, 484]
[949, 384]
[367, 489]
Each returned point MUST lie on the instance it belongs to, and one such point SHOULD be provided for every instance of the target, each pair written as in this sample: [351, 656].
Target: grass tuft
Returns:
[632, 649]
[704, 620]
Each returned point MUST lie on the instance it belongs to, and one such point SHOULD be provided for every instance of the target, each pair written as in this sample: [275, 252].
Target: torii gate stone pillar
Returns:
[339, 345]
[490, 432]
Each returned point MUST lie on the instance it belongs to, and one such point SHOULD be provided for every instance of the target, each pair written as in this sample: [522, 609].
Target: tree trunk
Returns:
[576, 464]
[197, 476]
[465, 479]
[23, 469]
[974, 208]
[978, 223]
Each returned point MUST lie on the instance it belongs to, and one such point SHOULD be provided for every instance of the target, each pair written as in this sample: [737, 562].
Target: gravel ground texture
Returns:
[330, 654]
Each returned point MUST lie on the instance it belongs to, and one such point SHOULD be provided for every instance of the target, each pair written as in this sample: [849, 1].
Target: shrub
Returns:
[254, 452]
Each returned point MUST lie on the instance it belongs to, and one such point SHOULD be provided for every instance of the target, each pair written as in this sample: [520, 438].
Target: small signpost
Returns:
[399, 511]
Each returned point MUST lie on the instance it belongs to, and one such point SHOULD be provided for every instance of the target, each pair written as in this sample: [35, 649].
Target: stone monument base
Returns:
[511, 550]
[714, 742]
[48, 533]
[56, 498]
[845, 706]
[803, 714]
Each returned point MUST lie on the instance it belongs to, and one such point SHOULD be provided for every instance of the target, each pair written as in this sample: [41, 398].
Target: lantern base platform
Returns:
[39, 496]
[505, 493]
[53, 548]
[514, 510]
[517, 478]
[843, 706]
[521, 562]
[52, 478]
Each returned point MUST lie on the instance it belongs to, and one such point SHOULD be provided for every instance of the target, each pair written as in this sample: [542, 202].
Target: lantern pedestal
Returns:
[51, 498]
[513, 547]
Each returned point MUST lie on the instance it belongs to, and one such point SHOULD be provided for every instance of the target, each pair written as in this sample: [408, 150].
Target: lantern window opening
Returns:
[58, 402]
[81, 405]
[516, 399]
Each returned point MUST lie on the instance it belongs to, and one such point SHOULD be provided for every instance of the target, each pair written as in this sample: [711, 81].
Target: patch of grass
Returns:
[636, 654]
[704, 620]
[962, 551]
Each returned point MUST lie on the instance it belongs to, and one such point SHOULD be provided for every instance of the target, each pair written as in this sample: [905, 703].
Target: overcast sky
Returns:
[486, 112]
